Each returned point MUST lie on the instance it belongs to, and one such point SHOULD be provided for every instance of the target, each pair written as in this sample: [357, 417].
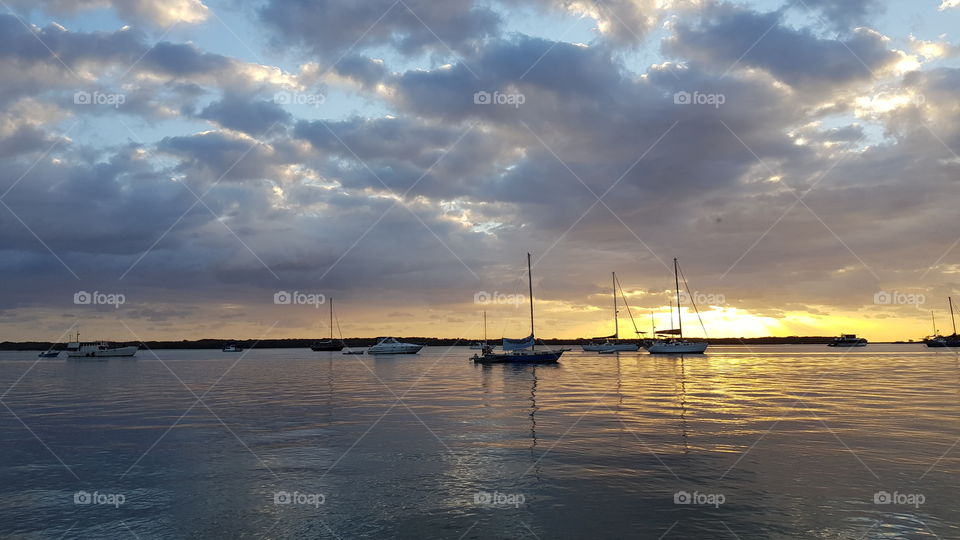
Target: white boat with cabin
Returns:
[612, 343]
[389, 345]
[676, 345]
[98, 349]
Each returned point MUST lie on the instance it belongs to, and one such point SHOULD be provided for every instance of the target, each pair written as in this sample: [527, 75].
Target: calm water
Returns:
[770, 442]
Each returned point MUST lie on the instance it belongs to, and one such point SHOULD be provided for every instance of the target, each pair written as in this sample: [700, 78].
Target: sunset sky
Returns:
[195, 158]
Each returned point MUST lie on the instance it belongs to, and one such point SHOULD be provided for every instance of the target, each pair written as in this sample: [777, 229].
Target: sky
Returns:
[183, 169]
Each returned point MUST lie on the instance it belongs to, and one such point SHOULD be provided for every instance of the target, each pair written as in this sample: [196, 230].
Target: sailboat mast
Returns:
[331, 319]
[934, 321]
[530, 287]
[950, 299]
[616, 324]
[484, 327]
[676, 278]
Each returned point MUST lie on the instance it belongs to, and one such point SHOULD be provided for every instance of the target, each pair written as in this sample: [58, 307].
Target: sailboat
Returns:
[670, 345]
[936, 340]
[611, 344]
[521, 351]
[328, 344]
[481, 345]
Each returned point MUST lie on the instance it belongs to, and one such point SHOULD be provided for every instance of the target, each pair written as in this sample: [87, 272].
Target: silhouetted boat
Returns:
[232, 347]
[481, 345]
[524, 350]
[328, 344]
[676, 345]
[49, 354]
[936, 340]
[848, 340]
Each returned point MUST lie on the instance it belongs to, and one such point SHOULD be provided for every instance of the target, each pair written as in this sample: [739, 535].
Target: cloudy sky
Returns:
[193, 159]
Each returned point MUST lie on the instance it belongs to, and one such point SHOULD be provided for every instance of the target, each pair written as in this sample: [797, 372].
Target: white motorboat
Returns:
[389, 345]
[608, 344]
[232, 347]
[676, 345]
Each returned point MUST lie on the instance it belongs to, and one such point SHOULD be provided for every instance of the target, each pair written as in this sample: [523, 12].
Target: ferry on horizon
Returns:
[848, 340]
[98, 349]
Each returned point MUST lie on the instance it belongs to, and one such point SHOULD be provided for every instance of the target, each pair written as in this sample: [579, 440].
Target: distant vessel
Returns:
[521, 351]
[483, 344]
[232, 347]
[611, 343]
[389, 345]
[97, 349]
[936, 340]
[49, 354]
[328, 344]
[676, 345]
[848, 340]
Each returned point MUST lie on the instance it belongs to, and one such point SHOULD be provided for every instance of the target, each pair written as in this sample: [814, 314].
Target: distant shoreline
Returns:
[298, 343]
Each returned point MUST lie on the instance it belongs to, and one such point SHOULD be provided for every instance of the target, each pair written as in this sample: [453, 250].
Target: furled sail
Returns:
[672, 332]
[517, 344]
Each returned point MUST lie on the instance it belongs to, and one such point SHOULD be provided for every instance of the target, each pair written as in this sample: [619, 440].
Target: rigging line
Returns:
[624, 296]
[692, 301]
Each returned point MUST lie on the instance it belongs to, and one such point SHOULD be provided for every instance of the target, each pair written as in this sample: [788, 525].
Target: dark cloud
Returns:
[242, 114]
[330, 28]
[728, 37]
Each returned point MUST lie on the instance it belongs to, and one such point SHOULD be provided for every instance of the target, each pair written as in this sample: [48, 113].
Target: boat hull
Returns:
[394, 349]
[521, 357]
[942, 343]
[613, 347]
[52, 354]
[685, 347]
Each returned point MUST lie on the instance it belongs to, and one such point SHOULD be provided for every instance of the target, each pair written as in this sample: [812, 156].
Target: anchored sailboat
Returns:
[670, 345]
[328, 344]
[936, 340]
[483, 344]
[521, 351]
[612, 343]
